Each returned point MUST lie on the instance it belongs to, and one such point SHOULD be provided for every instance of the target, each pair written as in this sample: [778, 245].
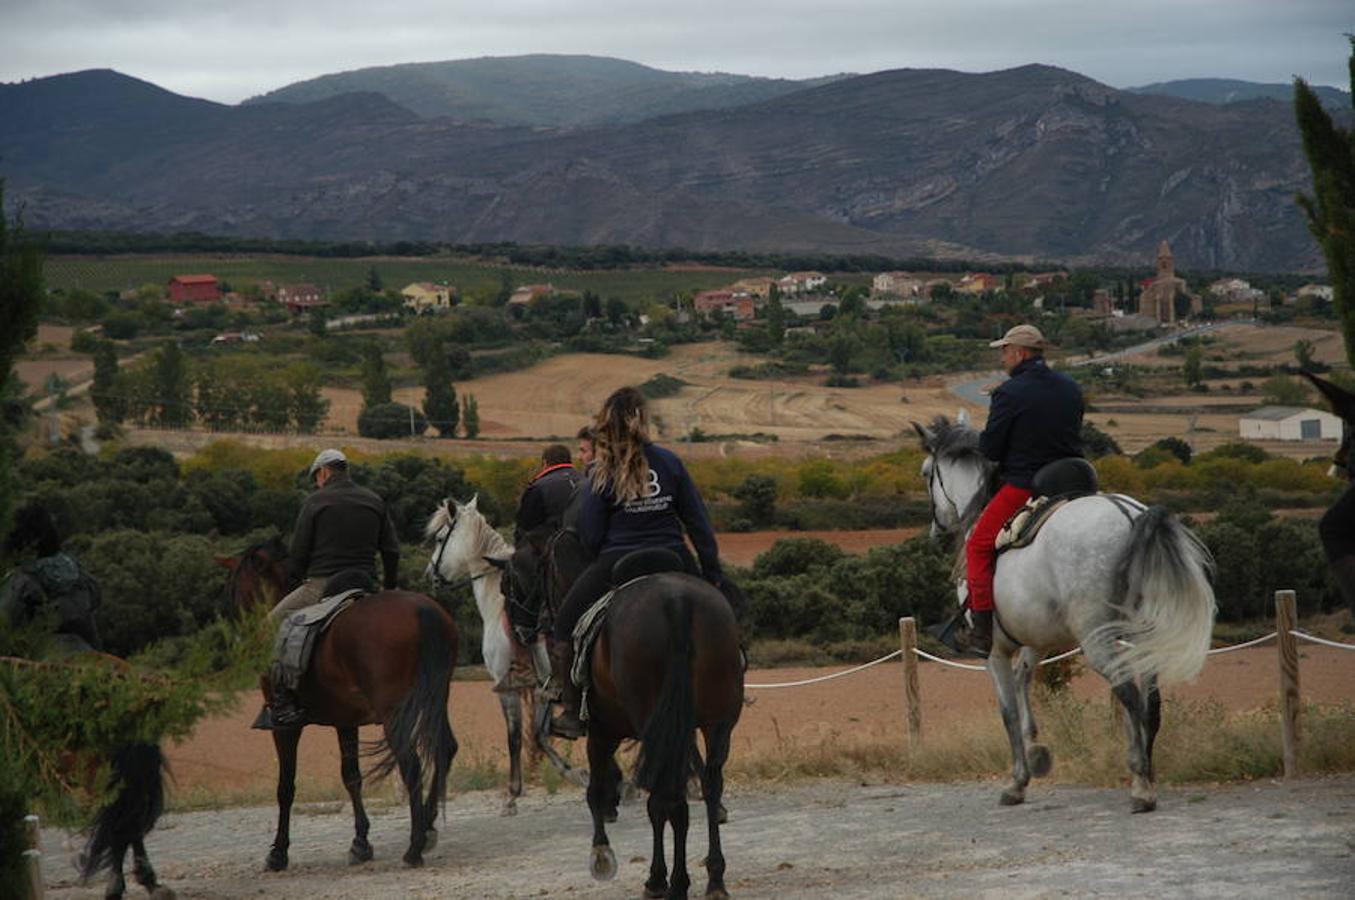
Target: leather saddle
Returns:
[1053, 486]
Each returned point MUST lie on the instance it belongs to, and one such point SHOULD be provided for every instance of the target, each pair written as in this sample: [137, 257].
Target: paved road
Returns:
[840, 839]
[975, 390]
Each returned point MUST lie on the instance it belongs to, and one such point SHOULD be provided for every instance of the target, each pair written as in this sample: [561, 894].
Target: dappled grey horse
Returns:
[1128, 583]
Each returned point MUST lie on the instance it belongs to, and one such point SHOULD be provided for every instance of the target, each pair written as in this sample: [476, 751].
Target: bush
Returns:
[391, 420]
[758, 493]
[1096, 443]
[796, 556]
[154, 586]
[662, 385]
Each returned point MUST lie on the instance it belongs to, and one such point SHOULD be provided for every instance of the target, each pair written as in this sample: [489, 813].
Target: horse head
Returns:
[461, 537]
[257, 575]
[958, 476]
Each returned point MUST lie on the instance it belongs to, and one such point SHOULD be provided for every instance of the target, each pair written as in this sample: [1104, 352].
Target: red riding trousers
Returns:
[980, 557]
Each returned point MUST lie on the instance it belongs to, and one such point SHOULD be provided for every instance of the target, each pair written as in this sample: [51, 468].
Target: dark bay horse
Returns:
[666, 664]
[385, 660]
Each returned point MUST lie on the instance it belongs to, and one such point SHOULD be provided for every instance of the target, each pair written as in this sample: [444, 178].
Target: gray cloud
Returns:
[227, 52]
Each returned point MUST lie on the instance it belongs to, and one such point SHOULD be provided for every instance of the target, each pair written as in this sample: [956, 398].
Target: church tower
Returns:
[1166, 263]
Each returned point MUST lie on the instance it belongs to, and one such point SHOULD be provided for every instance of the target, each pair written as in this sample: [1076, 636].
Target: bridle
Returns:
[443, 538]
[935, 483]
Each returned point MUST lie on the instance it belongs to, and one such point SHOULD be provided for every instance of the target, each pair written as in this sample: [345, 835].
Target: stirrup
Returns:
[567, 725]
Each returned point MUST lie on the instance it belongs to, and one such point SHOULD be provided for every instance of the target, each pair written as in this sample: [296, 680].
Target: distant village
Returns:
[1163, 299]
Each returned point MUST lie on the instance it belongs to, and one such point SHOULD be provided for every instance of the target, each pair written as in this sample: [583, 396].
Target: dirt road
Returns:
[823, 839]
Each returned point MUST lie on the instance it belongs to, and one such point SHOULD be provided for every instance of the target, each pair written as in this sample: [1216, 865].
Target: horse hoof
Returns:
[717, 893]
[1011, 797]
[163, 893]
[655, 893]
[359, 853]
[1140, 805]
[276, 861]
[603, 866]
[1040, 759]
[430, 840]
[413, 860]
[510, 808]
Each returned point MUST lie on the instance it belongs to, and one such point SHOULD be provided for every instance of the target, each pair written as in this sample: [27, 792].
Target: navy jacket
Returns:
[546, 499]
[655, 520]
[1034, 418]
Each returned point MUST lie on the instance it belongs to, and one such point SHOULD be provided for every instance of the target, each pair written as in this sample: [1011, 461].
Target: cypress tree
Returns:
[21, 296]
[376, 384]
[1331, 208]
[439, 399]
[170, 387]
[109, 405]
[471, 420]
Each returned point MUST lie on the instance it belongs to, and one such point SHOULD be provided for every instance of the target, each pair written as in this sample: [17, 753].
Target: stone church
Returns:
[1158, 299]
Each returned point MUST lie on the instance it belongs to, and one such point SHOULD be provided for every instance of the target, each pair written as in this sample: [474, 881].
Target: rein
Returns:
[439, 581]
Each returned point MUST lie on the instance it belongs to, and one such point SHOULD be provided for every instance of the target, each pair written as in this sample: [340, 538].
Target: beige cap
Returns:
[1022, 336]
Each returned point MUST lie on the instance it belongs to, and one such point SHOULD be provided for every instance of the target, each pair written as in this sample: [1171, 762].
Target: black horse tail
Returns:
[666, 740]
[418, 731]
[138, 776]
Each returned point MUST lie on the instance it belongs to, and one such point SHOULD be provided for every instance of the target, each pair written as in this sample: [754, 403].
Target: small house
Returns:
[1289, 423]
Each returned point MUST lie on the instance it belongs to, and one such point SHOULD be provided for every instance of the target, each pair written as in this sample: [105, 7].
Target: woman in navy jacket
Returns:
[641, 497]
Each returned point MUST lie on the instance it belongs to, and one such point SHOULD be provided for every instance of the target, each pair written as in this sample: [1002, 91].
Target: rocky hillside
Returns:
[1034, 162]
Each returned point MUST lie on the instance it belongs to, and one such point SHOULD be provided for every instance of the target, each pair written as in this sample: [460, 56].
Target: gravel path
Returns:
[811, 840]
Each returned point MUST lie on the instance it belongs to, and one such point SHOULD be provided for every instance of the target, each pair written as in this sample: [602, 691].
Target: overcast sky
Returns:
[227, 50]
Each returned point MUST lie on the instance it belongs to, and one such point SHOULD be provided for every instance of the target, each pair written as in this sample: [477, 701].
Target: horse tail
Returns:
[418, 729]
[666, 739]
[138, 777]
[1166, 599]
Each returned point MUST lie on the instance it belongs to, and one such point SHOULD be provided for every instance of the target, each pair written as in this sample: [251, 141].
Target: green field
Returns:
[119, 273]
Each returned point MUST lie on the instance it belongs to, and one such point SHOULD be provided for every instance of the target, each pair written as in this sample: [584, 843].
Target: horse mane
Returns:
[491, 543]
[251, 561]
[441, 517]
[951, 440]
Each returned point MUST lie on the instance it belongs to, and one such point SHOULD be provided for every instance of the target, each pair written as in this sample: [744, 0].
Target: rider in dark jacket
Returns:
[1034, 418]
[641, 497]
[548, 494]
[540, 513]
[51, 584]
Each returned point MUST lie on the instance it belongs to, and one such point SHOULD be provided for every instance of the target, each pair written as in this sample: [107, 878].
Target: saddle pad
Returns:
[1021, 528]
[298, 631]
[585, 635]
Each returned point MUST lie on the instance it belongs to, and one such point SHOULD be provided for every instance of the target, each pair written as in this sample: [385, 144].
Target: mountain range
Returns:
[1028, 163]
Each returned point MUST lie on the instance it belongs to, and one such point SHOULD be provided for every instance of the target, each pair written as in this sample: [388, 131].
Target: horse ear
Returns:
[474, 500]
[1342, 401]
[924, 434]
[962, 417]
[226, 562]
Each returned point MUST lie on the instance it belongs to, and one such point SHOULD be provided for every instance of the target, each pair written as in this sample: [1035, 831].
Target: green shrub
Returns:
[391, 420]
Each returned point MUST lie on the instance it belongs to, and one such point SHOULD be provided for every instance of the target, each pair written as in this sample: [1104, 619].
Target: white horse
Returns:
[467, 546]
[1128, 583]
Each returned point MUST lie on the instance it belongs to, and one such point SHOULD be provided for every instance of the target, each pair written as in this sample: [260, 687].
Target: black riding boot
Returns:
[567, 724]
[981, 633]
[286, 708]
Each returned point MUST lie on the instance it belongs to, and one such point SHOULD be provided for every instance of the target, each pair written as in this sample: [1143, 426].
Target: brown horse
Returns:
[386, 660]
[666, 663]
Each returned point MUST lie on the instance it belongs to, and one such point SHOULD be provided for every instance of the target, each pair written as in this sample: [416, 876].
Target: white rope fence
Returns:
[1285, 603]
[970, 667]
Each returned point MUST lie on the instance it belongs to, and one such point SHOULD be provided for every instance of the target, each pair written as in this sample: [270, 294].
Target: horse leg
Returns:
[435, 797]
[411, 773]
[511, 701]
[284, 742]
[360, 851]
[614, 779]
[117, 884]
[1000, 668]
[601, 790]
[1037, 754]
[678, 814]
[145, 875]
[717, 751]
[657, 883]
[1142, 794]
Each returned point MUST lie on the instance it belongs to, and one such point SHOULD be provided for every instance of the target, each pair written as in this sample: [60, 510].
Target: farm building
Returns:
[424, 296]
[1289, 423]
[194, 289]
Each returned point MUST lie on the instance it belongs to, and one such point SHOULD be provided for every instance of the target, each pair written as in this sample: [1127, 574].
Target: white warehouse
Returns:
[1289, 423]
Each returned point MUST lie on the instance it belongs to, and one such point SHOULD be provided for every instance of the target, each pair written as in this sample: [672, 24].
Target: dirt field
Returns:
[854, 839]
[555, 397]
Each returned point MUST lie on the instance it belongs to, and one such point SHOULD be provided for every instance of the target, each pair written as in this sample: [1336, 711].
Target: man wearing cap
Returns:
[342, 527]
[1034, 418]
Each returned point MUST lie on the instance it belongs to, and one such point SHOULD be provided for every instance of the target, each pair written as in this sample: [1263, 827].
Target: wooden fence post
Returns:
[912, 694]
[1285, 620]
[37, 888]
